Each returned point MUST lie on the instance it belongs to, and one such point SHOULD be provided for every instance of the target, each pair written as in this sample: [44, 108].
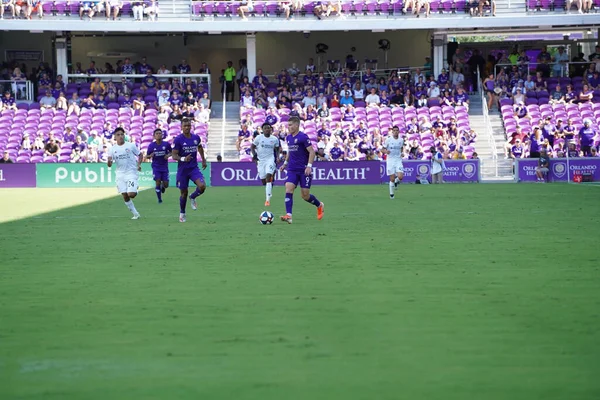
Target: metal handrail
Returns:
[564, 69]
[14, 89]
[487, 123]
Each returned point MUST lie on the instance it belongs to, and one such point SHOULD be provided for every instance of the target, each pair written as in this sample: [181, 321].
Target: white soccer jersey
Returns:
[394, 147]
[265, 147]
[125, 158]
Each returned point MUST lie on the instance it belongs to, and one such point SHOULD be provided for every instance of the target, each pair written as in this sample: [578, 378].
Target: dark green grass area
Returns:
[447, 292]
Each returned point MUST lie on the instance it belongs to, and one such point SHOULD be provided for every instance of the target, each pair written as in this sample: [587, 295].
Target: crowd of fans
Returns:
[110, 9]
[359, 99]
[159, 102]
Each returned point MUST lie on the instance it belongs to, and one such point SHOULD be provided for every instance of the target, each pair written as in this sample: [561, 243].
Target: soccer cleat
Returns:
[392, 196]
[162, 189]
[136, 216]
[267, 203]
[160, 201]
[193, 203]
[320, 211]
[286, 218]
[181, 217]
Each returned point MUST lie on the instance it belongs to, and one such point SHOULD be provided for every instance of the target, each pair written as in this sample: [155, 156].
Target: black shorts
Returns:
[534, 154]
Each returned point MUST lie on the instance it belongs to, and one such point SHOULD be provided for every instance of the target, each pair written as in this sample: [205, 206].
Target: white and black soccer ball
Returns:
[266, 218]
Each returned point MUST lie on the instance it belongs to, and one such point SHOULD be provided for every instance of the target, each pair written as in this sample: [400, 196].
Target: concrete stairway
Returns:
[174, 10]
[215, 131]
[492, 169]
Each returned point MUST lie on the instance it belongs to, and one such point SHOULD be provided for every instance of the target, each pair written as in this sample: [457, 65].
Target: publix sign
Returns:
[89, 175]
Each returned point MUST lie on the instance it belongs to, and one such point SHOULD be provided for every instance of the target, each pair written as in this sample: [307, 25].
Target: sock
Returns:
[131, 207]
[397, 180]
[289, 202]
[391, 188]
[313, 200]
[158, 192]
[182, 203]
[196, 193]
[269, 190]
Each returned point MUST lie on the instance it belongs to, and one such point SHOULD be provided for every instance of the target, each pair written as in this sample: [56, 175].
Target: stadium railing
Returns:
[21, 90]
[532, 66]
[489, 131]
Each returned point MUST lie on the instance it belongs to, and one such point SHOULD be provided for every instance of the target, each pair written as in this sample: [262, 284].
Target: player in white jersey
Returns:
[128, 160]
[393, 148]
[265, 148]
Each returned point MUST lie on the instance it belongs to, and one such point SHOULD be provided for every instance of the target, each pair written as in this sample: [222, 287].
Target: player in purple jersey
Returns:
[159, 152]
[298, 161]
[185, 149]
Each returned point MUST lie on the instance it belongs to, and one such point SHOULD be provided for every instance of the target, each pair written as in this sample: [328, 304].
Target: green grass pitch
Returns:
[488, 292]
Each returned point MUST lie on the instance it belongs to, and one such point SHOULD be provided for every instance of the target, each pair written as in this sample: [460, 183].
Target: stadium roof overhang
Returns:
[225, 25]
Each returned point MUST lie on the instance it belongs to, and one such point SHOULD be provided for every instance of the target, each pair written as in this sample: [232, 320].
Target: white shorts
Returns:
[394, 166]
[266, 167]
[127, 184]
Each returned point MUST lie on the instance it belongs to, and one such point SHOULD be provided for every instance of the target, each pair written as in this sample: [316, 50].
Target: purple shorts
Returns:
[184, 177]
[160, 175]
[299, 179]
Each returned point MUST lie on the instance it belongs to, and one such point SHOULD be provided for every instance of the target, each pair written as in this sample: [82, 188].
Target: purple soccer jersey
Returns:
[187, 170]
[298, 159]
[160, 165]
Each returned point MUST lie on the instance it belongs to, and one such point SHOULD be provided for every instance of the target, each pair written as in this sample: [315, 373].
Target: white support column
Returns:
[251, 55]
[61, 57]
[439, 53]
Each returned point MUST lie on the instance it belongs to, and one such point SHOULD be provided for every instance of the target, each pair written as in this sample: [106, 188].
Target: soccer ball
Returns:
[266, 218]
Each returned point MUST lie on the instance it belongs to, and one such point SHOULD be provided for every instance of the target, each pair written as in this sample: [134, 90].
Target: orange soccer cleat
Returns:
[320, 211]
[267, 203]
[286, 218]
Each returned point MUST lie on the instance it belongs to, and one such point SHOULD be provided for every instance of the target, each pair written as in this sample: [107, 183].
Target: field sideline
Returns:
[447, 292]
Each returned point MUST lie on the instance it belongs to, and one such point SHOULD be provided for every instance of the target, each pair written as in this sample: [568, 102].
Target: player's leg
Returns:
[132, 189]
[197, 177]
[164, 181]
[158, 188]
[305, 184]
[290, 185]
[182, 184]
[268, 182]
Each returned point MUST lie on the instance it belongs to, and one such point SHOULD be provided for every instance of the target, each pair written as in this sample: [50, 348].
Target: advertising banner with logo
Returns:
[328, 173]
[457, 171]
[95, 175]
[560, 169]
[17, 175]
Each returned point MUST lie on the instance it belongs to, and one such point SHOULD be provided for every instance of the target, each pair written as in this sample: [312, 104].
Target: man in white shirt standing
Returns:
[128, 160]
[437, 166]
[373, 99]
[393, 148]
[264, 148]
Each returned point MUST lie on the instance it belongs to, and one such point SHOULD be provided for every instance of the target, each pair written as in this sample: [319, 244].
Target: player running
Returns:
[159, 152]
[128, 160]
[185, 149]
[298, 160]
[265, 150]
[393, 148]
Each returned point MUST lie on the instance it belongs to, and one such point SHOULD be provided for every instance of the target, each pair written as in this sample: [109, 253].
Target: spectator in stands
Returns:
[151, 9]
[373, 100]
[336, 152]
[520, 111]
[51, 148]
[127, 68]
[557, 96]
[346, 100]
[48, 101]
[309, 99]
[586, 95]
[18, 83]
[461, 98]
[6, 158]
[490, 84]
[542, 169]
[244, 135]
[409, 99]
[408, 4]
[8, 102]
[560, 61]
[457, 78]
[246, 7]
[86, 7]
[433, 92]
[112, 9]
[137, 6]
[578, 3]
[61, 102]
[26, 143]
[423, 4]
[7, 4]
[586, 137]
[543, 60]
[519, 97]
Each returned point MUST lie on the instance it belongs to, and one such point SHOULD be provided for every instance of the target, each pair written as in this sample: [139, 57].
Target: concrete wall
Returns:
[15, 40]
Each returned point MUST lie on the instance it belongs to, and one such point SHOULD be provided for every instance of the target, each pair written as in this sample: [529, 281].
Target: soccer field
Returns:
[447, 292]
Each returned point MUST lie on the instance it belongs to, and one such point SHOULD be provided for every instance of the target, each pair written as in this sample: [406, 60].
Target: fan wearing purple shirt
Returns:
[586, 137]
[159, 152]
[185, 149]
[298, 161]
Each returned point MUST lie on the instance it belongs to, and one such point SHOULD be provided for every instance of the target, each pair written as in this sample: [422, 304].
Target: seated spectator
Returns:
[26, 143]
[7, 4]
[51, 148]
[487, 3]
[48, 101]
[309, 99]
[557, 96]
[543, 166]
[540, 82]
[205, 101]
[578, 3]
[6, 158]
[422, 4]
[8, 102]
[34, 6]
[139, 105]
[151, 9]
[336, 153]
[346, 100]
[112, 9]
[461, 98]
[137, 6]
[244, 135]
[434, 91]
[519, 97]
[457, 78]
[88, 8]
[310, 113]
[373, 99]
[520, 111]
[570, 95]
[586, 94]
[335, 101]
[358, 93]
[97, 87]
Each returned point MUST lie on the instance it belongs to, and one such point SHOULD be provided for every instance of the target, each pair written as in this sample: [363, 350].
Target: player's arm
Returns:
[109, 159]
[177, 157]
[169, 152]
[311, 158]
[253, 150]
[148, 155]
[201, 151]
